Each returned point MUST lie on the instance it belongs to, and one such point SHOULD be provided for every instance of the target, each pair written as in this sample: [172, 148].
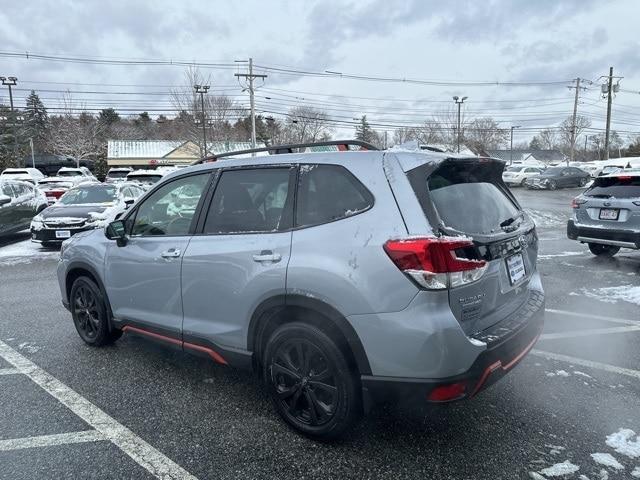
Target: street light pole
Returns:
[12, 82]
[511, 148]
[202, 89]
[459, 101]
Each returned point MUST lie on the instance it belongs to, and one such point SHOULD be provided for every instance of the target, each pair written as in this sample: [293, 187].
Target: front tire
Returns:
[603, 250]
[553, 185]
[90, 313]
[309, 381]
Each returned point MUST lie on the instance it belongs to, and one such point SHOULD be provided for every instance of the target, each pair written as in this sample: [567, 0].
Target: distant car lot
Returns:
[574, 397]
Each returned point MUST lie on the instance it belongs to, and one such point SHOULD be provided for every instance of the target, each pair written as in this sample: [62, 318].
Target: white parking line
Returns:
[585, 333]
[140, 451]
[51, 440]
[587, 363]
[9, 371]
[595, 317]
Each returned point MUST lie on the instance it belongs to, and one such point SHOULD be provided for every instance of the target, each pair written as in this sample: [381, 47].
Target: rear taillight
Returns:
[56, 193]
[433, 263]
[447, 393]
[576, 202]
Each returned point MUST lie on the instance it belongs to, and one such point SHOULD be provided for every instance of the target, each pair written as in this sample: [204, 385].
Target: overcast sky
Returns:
[454, 41]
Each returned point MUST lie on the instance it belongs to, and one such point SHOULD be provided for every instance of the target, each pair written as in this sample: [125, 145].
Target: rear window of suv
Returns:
[465, 195]
[619, 187]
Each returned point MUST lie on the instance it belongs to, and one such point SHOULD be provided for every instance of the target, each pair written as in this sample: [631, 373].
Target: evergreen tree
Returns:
[364, 131]
[108, 116]
[36, 122]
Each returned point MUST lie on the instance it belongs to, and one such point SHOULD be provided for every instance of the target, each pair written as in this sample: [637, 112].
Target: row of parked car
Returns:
[73, 200]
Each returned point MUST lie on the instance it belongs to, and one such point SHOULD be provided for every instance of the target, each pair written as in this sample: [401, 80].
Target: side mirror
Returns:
[128, 202]
[116, 231]
[4, 199]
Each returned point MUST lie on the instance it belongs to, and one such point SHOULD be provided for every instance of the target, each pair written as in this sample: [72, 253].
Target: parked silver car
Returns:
[344, 278]
[607, 215]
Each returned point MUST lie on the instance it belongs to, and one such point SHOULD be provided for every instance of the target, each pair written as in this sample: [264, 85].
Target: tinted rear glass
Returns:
[70, 173]
[86, 195]
[467, 197]
[120, 174]
[615, 187]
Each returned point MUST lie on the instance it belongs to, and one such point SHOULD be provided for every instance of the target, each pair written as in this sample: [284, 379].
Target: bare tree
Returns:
[485, 134]
[566, 127]
[75, 136]
[548, 139]
[307, 124]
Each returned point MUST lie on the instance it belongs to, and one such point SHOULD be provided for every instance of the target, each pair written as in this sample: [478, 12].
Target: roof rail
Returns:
[343, 145]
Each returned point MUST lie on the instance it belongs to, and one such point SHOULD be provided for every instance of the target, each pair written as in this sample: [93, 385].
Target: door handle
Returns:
[267, 256]
[171, 253]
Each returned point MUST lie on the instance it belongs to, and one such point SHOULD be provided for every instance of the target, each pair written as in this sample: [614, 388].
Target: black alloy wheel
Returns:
[310, 382]
[552, 185]
[583, 182]
[89, 313]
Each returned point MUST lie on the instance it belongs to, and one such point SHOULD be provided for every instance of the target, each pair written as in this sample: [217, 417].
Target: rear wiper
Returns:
[510, 220]
[602, 195]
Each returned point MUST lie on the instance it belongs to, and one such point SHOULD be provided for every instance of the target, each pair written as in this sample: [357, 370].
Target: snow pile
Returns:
[627, 293]
[622, 442]
[560, 469]
[607, 460]
[636, 472]
[558, 373]
[561, 254]
[24, 252]
[546, 219]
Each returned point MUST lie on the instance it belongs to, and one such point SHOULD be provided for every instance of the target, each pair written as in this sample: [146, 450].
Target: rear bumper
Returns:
[609, 236]
[489, 367]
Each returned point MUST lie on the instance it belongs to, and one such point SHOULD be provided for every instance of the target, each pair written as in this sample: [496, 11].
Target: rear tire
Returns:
[523, 182]
[583, 182]
[603, 250]
[90, 313]
[309, 381]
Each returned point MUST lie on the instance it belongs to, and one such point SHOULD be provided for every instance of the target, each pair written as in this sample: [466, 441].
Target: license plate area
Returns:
[609, 213]
[515, 268]
[63, 234]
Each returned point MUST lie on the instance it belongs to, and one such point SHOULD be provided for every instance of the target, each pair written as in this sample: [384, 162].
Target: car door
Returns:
[240, 257]
[142, 277]
[8, 211]
[564, 179]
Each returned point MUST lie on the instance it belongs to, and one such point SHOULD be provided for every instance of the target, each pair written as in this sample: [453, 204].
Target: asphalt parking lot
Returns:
[135, 410]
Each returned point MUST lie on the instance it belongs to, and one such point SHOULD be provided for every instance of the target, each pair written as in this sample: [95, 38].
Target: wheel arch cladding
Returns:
[276, 311]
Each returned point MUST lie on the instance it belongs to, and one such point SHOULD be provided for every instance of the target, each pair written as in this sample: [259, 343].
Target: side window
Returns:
[250, 200]
[8, 191]
[327, 193]
[126, 193]
[19, 189]
[170, 209]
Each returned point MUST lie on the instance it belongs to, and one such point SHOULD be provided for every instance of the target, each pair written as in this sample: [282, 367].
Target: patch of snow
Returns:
[562, 254]
[622, 442]
[583, 477]
[24, 252]
[29, 347]
[562, 373]
[582, 374]
[560, 469]
[636, 472]
[546, 219]
[607, 460]
[536, 476]
[604, 475]
[626, 293]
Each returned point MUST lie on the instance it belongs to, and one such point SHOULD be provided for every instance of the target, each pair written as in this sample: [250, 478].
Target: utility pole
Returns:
[250, 77]
[12, 82]
[511, 148]
[459, 101]
[202, 89]
[573, 122]
[606, 138]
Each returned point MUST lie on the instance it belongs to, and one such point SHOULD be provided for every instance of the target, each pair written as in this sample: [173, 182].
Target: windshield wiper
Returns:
[509, 221]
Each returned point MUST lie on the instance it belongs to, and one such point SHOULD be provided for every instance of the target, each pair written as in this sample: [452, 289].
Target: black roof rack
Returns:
[281, 149]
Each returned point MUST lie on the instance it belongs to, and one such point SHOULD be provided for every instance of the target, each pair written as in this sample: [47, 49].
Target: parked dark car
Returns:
[85, 207]
[19, 203]
[558, 177]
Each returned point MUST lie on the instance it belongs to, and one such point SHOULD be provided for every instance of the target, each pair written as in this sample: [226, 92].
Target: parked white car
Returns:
[81, 172]
[146, 178]
[117, 174]
[517, 174]
[31, 175]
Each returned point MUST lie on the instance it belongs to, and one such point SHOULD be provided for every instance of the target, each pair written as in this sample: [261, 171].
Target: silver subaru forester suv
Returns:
[344, 278]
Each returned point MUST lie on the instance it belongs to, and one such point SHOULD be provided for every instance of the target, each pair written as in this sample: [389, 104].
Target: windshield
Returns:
[54, 184]
[554, 171]
[610, 169]
[69, 173]
[514, 169]
[118, 174]
[86, 195]
[615, 187]
[144, 179]
[15, 172]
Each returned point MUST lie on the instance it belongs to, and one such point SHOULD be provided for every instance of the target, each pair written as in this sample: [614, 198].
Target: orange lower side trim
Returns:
[212, 353]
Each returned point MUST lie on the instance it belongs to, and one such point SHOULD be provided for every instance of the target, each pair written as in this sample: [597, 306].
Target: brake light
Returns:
[624, 177]
[433, 263]
[576, 202]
